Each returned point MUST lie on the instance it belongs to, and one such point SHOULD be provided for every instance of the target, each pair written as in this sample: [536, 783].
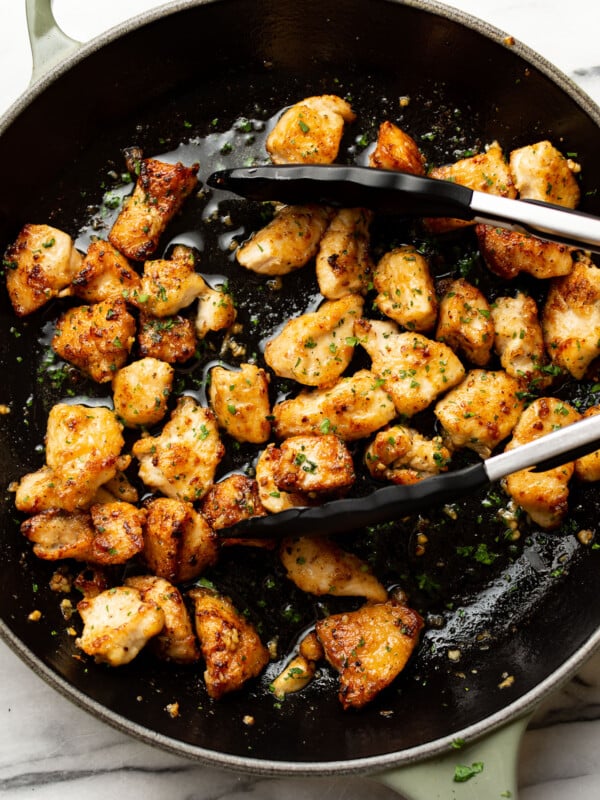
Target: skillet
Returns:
[536, 632]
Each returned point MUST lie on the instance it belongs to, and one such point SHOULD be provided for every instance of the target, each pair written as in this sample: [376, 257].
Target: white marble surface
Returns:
[50, 749]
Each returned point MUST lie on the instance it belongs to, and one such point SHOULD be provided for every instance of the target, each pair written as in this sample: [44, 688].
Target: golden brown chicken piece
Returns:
[310, 131]
[541, 172]
[118, 532]
[216, 311]
[295, 676]
[170, 339]
[229, 643]
[105, 275]
[178, 542]
[39, 265]
[288, 242]
[168, 286]
[465, 322]
[413, 369]
[96, 338]
[60, 534]
[369, 648]
[343, 262]
[176, 641]
[318, 566]
[117, 488]
[117, 624]
[406, 292]
[395, 149]
[273, 498]
[231, 500]
[587, 468]
[518, 340]
[507, 253]
[481, 411]
[158, 195]
[314, 463]
[542, 495]
[182, 460]
[486, 172]
[240, 401]
[353, 408]
[571, 319]
[141, 391]
[83, 446]
[315, 348]
[402, 455]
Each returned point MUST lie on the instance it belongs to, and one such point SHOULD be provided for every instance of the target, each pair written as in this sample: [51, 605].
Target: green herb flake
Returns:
[463, 773]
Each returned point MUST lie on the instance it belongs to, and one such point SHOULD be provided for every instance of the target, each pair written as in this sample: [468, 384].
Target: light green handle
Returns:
[434, 779]
[49, 44]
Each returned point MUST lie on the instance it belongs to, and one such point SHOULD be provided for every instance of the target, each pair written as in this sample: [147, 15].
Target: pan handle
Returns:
[497, 753]
[49, 44]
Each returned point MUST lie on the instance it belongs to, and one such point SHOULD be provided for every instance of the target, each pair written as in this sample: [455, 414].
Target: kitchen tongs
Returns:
[394, 502]
[400, 193]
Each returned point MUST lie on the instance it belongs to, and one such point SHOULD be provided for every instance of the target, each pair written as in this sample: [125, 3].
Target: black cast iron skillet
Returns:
[198, 80]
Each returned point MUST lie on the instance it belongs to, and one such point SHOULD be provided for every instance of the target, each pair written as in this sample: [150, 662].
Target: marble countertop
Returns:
[51, 749]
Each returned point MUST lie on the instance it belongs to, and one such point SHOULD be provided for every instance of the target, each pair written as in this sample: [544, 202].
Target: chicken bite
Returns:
[518, 339]
[315, 348]
[571, 319]
[40, 263]
[310, 131]
[117, 624]
[272, 498]
[403, 456]
[343, 262]
[96, 338]
[406, 292]
[318, 463]
[465, 322]
[57, 534]
[159, 193]
[413, 369]
[587, 468]
[318, 566]
[295, 676]
[104, 275]
[240, 401]
[288, 242]
[395, 149]
[230, 645]
[508, 253]
[181, 461]
[541, 172]
[170, 339]
[230, 501]
[542, 495]
[118, 532]
[353, 408]
[481, 411]
[179, 544]
[168, 286]
[369, 648]
[141, 390]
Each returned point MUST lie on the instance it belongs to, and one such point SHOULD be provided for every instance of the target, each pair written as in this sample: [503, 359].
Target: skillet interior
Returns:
[165, 84]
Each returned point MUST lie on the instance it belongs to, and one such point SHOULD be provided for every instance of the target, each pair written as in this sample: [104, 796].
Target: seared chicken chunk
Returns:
[481, 411]
[141, 390]
[352, 408]
[402, 455]
[571, 319]
[507, 253]
[518, 339]
[343, 262]
[60, 534]
[182, 460]
[314, 463]
[216, 311]
[465, 322]
[176, 641]
[315, 348]
[486, 172]
[83, 446]
[118, 532]
[287, 243]
[39, 265]
[369, 648]
[170, 339]
[118, 488]
[105, 275]
[541, 172]
[395, 149]
[406, 292]
[273, 498]
[178, 542]
[231, 500]
[587, 468]
[414, 370]
[158, 195]
[543, 495]
[96, 338]
[229, 643]
[295, 676]
[319, 567]
[240, 401]
[117, 624]
[168, 286]
[310, 131]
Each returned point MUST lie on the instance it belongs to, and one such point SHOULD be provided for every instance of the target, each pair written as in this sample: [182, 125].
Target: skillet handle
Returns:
[434, 779]
[49, 44]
